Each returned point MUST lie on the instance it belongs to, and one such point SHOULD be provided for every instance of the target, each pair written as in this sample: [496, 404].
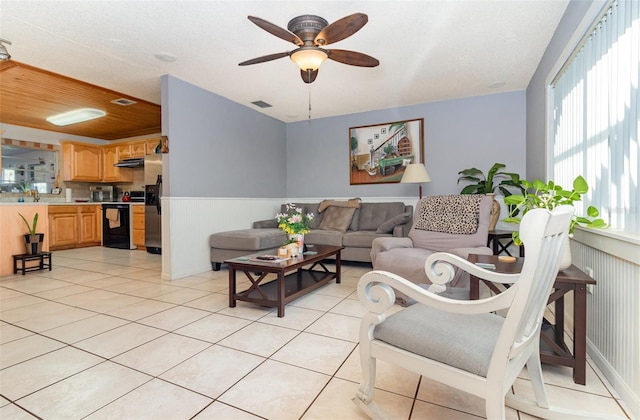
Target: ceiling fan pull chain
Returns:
[309, 71]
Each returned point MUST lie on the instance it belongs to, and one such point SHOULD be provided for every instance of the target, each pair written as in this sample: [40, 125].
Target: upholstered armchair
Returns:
[458, 224]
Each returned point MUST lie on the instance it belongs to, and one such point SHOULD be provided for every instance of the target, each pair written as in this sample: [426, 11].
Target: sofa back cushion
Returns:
[442, 241]
[371, 215]
[337, 218]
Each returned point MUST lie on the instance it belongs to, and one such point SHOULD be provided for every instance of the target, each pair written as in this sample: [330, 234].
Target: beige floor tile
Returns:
[563, 376]
[119, 340]
[13, 412]
[276, 390]
[142, 274]
[47, 322]
[85, 328]
[350, 307]
[153, 290]
[595, 405]
[33, 284]
[212, 371]
[105, 282]
[425, 410]
[8, 293]
[37, 373]
[335, 402]
[212, 303]
[125, 286]
[63, 291]
[26, 348]
[173, 318]
[316, 302]
[82, 394]
[440, 394]
[213, 328]
[246, 310]
[295, 318]
[155, 399]
[388, 377]
[261, 339]
[32, 311]
[213, 285]
[337, 290]
[140, 310]
[161, 354]
[182, 296]
[315, 352]
[99, 300]
[218, 411]
[10, 332]
[80, 276]
[18, 300]
[337, 326]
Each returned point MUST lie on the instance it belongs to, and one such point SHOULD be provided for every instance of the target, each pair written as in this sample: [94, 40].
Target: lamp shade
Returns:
[415, 173]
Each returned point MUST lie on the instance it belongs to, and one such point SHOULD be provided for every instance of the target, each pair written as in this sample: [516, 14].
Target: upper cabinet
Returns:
[111, 156]
[81, 161]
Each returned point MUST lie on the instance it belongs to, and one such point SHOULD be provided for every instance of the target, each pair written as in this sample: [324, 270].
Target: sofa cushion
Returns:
[361, 239]
[248, 239]
[372, 215]
[337, 218]
[353, 202]
[457, 214]
[324, 237]
[387, 226]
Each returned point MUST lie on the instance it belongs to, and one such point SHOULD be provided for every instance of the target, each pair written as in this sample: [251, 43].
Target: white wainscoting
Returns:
[613, 317]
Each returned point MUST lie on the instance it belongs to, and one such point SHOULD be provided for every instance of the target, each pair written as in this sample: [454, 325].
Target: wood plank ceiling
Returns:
[28, 95]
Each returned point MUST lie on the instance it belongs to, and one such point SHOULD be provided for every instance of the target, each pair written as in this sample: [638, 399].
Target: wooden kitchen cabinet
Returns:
[138, 225]
[151, 145]
[138, 149]
[81, 161]
[74, 226]
[124, 150]
[110, 173]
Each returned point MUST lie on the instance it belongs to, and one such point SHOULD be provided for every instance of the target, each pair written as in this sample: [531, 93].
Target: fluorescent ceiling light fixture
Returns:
[76, 116]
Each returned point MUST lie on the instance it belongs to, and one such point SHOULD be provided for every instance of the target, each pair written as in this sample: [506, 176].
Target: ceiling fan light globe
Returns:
[309, 58]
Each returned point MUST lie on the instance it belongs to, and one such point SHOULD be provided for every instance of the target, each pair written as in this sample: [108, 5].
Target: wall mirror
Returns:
[28, 166]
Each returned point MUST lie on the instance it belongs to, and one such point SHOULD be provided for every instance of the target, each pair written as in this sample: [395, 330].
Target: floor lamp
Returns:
[415, 173]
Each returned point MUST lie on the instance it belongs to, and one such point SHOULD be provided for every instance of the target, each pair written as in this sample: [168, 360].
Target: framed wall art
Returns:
[379, 153]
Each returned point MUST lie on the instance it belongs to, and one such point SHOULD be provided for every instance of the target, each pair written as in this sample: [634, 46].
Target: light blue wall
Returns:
[459, 134]
[219, 148]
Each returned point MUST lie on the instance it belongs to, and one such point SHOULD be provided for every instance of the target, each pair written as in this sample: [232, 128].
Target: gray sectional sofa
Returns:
[355, 232]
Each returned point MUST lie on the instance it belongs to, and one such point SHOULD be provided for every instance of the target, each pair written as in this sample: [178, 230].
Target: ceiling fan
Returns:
[310, 34]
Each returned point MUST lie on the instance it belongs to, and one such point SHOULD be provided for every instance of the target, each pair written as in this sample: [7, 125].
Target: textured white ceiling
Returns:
[428, 50]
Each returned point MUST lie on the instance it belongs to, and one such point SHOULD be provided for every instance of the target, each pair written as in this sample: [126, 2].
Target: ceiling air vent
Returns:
[123, 102]
[262, 104]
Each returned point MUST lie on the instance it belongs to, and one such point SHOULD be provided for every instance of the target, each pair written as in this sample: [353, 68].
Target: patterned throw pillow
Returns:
[337, 218]
[457, 214]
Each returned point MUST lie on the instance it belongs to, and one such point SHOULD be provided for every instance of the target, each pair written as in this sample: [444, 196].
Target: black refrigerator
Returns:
[152, 203]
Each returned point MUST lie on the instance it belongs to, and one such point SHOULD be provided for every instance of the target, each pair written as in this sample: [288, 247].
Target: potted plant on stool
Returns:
[32, 240]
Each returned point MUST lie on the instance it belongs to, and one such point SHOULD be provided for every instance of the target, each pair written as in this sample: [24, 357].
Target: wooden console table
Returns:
[553, 349]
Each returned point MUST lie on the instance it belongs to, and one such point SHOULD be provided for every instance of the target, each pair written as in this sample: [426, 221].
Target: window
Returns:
[596, 115]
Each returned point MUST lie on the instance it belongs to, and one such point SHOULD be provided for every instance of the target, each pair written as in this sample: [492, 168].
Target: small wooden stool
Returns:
[44, 259]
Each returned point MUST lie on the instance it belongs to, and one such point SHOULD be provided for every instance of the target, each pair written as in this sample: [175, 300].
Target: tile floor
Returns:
[102, 336]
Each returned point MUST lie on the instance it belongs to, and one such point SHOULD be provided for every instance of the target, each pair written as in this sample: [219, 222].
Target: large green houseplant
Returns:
[549, 195]
[487, 184]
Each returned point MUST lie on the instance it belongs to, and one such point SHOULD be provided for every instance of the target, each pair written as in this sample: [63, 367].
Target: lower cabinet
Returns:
[138, 225]
[74, 226]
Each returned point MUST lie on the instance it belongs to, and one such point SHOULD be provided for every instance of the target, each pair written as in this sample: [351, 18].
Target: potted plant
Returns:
[549, 195]
[486, 184]
[33, 241]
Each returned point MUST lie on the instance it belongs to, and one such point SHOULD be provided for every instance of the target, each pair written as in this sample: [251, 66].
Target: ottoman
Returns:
[236, 243]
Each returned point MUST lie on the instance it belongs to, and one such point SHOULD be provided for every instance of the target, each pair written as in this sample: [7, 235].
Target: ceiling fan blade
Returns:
[353, 58]
[276, 30]
[309, 75]
[341, 29]
[264, 58]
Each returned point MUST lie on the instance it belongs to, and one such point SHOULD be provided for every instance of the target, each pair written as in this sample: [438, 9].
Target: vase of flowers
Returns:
[295, 223]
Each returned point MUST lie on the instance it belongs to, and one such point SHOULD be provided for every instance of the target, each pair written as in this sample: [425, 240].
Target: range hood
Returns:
[130, 163]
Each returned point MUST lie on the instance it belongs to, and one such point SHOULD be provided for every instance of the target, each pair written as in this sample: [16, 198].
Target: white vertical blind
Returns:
[596, 117]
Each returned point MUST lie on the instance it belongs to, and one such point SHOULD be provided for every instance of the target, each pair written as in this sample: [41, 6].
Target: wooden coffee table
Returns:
[285, 287]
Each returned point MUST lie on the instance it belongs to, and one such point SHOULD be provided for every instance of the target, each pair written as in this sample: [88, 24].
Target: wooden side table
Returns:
[553, 349]
[43, 258]
[493, 242]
